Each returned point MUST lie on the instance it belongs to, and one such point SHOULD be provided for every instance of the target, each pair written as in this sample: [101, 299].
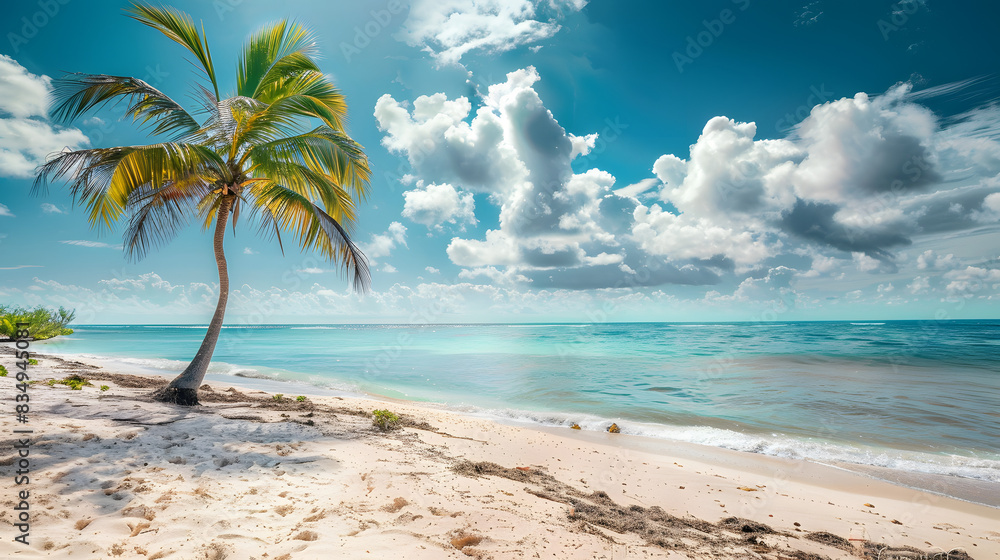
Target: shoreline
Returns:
[399, 490]
[974, 490]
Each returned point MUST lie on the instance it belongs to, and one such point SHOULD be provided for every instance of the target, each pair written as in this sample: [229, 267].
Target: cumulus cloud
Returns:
[143, 282]
[858, 175]
[849, 188]
[382, 244]
[451, 29]
[929, 260]
[919, 285]
[679, 236]
[50, 208]
[553, 221]
[435, 205]
[5, 211]
[26, 135]
[972, 281]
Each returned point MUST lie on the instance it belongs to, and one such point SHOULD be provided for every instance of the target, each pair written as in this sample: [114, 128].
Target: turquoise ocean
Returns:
[920, 397]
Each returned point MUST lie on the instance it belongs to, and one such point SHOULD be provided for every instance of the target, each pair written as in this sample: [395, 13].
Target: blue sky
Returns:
[562, 160]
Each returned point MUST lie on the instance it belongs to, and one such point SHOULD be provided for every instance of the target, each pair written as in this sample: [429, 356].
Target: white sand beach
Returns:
[115, 475]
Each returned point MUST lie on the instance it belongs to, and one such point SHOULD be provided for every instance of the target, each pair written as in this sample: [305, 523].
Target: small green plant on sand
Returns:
[32, 362]
[385, 420]
[300, 398]
[74, 382]
[278, 396]
[3, 371]
[104, 388]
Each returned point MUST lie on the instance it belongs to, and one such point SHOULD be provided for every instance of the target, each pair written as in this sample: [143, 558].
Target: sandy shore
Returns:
[244, 476]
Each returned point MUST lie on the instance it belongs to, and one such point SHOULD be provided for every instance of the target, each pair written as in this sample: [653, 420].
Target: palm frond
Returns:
[322, 150]
[228, 118]
[104, 178]
[315, 229]
[159, 213]
[76, 93]
[275, 52]
[180, 28]
[307, 94]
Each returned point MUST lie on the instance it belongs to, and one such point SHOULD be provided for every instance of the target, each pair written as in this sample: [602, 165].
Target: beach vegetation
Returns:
[385, 420]
[44, 323]
[273, 152]
[74, 382]
[278, 396]
[105, 388]
[300, 398]
[3, 371]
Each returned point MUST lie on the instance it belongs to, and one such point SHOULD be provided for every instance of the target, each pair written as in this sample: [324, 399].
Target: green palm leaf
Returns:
[179, 27]
[77, 93]
[315, 229]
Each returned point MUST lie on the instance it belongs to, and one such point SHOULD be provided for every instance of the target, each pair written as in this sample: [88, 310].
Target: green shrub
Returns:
[43, 323]
[104, 388]
[278, 396]
[3, 371]
[385, 420]
[32, 362]
[300, 398]
[74, 382]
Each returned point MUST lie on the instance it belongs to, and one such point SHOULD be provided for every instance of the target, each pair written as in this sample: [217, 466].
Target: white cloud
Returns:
[381, 245]
[26, 136]
[682, 237]
[91, 244]
[495, 275]
[929, 260]
[249, 251]
[858, 175]
[435, 205]
[5, 211]
[972, 281]
[147, 281]
[865, 263]
[919, 285]
[22, 94]
[991, 208]
[49, 208]
[450, 29]
[388, 269]
[821, 265]
[432, 270]
[858, 179]
[514, 150]
[311, 270]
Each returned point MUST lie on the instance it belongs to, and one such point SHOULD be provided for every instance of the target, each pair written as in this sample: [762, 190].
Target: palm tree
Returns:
[274, 150]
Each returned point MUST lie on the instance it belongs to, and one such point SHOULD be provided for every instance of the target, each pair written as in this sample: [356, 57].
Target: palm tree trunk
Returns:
[183, 389]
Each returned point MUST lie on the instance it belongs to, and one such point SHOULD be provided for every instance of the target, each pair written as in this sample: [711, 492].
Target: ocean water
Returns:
[920, 397]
